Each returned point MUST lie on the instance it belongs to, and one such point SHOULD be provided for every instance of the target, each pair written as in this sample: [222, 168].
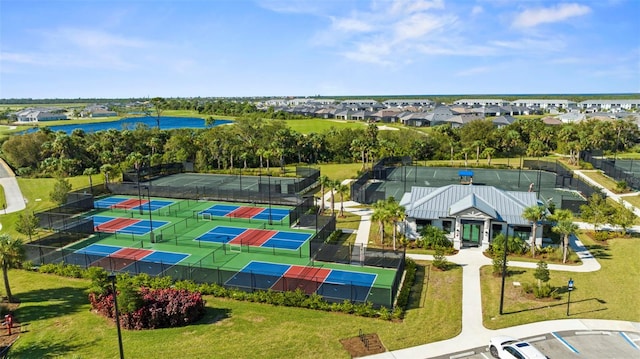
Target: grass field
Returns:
[61, 324]
[604, 294]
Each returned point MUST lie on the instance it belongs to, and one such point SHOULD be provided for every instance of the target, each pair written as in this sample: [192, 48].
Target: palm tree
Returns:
[11, 254]
[324, 181]
[333, 184]
[396, 214]
[90, 172]
[342, 190]
[564, 226]
[534, 214]
[381, 215]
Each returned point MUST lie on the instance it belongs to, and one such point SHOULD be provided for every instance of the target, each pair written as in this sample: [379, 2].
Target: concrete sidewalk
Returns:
[13, 194]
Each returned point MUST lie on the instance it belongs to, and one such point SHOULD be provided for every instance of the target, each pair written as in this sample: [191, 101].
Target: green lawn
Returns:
[36, 192]
[3, 199]
[610, 293]
[605, 181]
[61, 324]
[321, 125]
[340, 171]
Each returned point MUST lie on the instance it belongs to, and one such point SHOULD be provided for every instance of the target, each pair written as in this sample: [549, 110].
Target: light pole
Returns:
[152, 237]
[138, 185]
[569, 289]
[504, 270]
[269, 177]
[112, 278]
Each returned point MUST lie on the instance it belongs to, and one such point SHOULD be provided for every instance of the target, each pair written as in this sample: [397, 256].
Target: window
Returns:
[421, 223]
[447, 226]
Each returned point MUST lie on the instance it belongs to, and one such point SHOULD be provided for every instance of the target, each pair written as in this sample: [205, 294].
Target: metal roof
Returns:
[443, 202]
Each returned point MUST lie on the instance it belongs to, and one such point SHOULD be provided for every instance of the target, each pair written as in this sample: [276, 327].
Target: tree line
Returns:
[253, 142]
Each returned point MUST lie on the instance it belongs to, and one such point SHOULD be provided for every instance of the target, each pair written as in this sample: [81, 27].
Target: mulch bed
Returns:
[366, 344]
[5, 339]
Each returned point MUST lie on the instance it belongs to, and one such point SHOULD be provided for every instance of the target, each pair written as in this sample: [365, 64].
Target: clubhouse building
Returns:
[471, 215]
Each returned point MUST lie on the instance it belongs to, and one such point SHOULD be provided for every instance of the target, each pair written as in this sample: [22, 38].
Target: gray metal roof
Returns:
[443, 202]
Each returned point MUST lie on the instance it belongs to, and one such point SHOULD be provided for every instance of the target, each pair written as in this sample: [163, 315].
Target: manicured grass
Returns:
[600, 178]
[61, 324]
[348, 221]
[340, 171]
[609, 293]
[634, 200]
[321, 125]
[36, 192]
[3, 199]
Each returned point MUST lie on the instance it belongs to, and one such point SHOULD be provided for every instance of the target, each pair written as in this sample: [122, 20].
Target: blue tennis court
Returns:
[142, 227]
[258, 275]
[165, 257]
[287, 240]
[98, 220]
[221, 234]
[219, 210]
[99, 249]
[341, 284]
[108, 202]
[277, 214]
[155, 204]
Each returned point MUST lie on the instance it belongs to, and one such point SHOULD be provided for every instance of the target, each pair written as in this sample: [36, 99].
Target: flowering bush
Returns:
[161, 308]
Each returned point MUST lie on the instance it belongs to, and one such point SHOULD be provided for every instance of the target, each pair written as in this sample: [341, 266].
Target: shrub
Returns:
[159, 308]
[434, 237]
[601, 236]
[498, 262]
[545, 291]
[439, 260]
[410, 276]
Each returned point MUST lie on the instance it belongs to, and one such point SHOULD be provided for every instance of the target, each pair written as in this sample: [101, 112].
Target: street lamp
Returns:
[504, 270]
[112, 278]
[569, 289]
[152, 237]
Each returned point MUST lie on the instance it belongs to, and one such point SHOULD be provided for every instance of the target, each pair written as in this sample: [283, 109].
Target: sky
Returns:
[242, 48]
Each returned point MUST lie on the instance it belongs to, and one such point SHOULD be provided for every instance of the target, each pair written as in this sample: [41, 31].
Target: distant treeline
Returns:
[435, 98]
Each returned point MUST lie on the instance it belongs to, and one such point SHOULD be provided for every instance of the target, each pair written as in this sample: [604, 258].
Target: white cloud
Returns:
[351, 25]
[413, 6]
[559, 13]
[477, 10]
[418, 25]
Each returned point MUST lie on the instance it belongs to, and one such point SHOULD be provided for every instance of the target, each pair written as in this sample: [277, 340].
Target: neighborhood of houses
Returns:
[409, 112]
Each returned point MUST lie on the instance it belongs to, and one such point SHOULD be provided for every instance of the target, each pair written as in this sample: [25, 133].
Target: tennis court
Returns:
[256, 237]
[131, 203]
[225, 210]
[126, 225]
[235, 181]
[330, 283]
[401, 179]
[124, 259]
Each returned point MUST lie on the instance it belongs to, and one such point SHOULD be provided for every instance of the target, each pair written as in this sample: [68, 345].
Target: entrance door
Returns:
[471, 233]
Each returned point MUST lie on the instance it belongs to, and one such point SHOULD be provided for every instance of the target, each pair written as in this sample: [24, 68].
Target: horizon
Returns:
[305, 48]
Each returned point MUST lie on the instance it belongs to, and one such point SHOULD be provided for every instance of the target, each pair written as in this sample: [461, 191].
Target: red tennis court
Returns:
[130, 203]
[253, 237]
[245, 212]
[116, 224]
[307, 279]
[132, 253]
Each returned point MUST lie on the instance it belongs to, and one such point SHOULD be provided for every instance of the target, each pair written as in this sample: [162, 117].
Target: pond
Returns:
[166, 123]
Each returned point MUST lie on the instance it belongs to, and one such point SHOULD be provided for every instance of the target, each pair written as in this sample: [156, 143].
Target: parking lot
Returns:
[571, 344]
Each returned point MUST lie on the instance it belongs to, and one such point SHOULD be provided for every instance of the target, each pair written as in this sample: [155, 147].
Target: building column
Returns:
[485, 234]
[457, 235]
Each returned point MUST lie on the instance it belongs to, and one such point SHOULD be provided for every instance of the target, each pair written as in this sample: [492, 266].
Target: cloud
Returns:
[477, 10]
[351, 25]
[533, 17]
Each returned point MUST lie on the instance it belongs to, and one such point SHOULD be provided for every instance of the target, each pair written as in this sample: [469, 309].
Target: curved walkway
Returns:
[473, 333]
[12, 193]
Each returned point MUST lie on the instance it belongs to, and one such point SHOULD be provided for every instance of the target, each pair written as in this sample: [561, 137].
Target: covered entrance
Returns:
[471, 233]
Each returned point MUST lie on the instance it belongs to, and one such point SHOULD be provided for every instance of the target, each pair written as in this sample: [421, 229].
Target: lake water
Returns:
[166, 123]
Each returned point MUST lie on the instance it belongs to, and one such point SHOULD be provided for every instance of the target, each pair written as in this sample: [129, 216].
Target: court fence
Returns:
[146, 173]
[609, 167]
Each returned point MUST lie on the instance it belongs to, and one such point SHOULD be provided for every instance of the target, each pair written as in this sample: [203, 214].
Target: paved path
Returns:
[473, 333]
[12, 193]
